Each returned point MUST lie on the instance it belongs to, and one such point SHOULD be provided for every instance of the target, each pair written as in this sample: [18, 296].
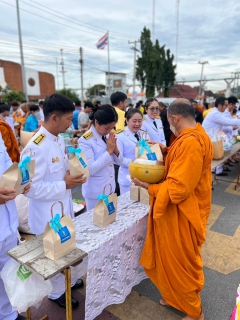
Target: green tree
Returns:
[96, 90]
[155, 68]
[11, 95]
[70, 93]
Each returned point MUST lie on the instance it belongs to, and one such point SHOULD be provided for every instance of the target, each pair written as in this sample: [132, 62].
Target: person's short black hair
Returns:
[194, 101]
[130, 105]
[182, 107]
[232, 100]
[15, 104]
[41, 102]
[131, 113]
[88, 104]
[57, 104]
[24, 101]
[98, 102]
[4, 107]
[104, 114]
[117, 97]
[161, 104]
[78, 103]
[220, 100]
[34, 108]
[149, 101]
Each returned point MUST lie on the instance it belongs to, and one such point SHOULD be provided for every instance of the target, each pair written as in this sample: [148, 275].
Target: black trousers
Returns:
[117, 190]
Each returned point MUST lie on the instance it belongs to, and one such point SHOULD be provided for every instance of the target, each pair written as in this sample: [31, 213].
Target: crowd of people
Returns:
[108, 135]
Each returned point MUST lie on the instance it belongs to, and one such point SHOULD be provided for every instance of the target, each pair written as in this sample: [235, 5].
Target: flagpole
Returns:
[109, 90]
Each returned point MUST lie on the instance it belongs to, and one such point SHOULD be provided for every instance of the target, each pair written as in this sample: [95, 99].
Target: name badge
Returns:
[82, 162]
[111, 208]
[152, 156]
[26, 178]
[64, 234]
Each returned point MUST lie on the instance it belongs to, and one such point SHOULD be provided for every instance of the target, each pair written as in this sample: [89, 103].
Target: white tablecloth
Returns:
[112, 265]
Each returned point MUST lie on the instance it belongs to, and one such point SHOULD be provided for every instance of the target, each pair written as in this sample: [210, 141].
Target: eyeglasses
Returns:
[153, 109]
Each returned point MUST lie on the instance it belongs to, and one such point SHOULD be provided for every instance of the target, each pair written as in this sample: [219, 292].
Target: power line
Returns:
[81, 22]
[54, 21]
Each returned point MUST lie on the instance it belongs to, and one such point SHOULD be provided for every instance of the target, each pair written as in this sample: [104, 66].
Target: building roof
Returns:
[207, 93]
[181, 91]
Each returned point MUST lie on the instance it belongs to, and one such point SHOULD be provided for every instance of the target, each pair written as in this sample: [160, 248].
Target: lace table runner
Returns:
[112, 265]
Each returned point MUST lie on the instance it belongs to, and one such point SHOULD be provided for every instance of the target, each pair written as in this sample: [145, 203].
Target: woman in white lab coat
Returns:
[100, 148]
[127, 141]
[152, 123]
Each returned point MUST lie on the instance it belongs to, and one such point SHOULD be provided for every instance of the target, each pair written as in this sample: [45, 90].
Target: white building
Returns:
[116, 82]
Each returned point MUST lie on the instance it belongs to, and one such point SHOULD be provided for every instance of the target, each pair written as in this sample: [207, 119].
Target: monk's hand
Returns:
[26, 189]
[139, 183]
[6, 195]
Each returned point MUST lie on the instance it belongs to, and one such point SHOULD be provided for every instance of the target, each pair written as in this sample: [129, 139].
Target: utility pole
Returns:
[200, 87]
[81, 71]
[57, 73]
[153, 22]
[177, 33]
[63, 71]
[21, 53]
[235, 83]
[134, 48]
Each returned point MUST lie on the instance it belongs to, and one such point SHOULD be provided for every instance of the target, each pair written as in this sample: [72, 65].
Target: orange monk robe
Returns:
[10, 141]
[180, 207]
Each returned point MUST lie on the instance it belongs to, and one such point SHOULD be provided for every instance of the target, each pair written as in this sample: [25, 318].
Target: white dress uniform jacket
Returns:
[126, 144]
[156, 134]
[8, 211]
[216, 120]
[8, 236]
[48, 185]
[100, 164]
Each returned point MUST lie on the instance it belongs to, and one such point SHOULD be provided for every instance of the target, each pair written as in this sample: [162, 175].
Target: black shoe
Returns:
[61, 301]
[79, 284]
[229, 164]
[223, 174]
[226, 170]
[21, 317]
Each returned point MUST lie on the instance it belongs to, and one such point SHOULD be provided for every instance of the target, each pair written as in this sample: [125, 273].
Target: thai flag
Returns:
[103, 42]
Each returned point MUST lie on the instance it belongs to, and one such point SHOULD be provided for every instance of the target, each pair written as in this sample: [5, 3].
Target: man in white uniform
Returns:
[8, 233]
[217, 121]
[52, 181]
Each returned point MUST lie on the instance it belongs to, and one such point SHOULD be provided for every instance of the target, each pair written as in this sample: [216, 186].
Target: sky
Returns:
[208, 31]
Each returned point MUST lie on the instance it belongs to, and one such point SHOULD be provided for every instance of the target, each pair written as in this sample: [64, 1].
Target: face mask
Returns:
[37, 115]
[174, 131]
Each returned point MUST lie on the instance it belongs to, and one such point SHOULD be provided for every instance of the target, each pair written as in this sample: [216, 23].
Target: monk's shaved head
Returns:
[181, 107]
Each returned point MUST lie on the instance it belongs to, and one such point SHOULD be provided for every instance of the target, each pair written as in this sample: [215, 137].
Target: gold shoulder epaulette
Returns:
[144, 118]
[158, 117]
[87, 135]
[117, 131]
[39, 139]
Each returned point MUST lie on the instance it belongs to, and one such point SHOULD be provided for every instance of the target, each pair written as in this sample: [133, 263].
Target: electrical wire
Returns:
[82, 22]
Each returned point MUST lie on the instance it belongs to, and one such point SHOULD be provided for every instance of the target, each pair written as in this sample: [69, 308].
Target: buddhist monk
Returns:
[7, 134]
[179, 210]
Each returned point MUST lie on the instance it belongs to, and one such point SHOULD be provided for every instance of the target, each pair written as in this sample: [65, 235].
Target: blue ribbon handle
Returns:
[76, 151]
[24, 167]
[55, 223]
[144, 146]
[103, 197]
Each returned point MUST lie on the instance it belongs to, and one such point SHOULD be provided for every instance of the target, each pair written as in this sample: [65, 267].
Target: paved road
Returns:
[221, 255]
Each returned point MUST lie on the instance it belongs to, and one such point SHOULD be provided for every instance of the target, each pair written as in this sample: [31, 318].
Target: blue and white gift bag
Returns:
[106, 209]
[150, 152]
[59, 237]
[18, 175]
[77, 162]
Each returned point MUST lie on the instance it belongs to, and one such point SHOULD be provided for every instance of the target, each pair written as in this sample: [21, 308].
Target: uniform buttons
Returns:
[64, 157]
[55, 139]
[60, 144]
[70, 196]
[111, 176]
[111, 165]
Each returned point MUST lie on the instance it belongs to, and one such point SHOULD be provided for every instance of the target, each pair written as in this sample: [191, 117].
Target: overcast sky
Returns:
[208, 31]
